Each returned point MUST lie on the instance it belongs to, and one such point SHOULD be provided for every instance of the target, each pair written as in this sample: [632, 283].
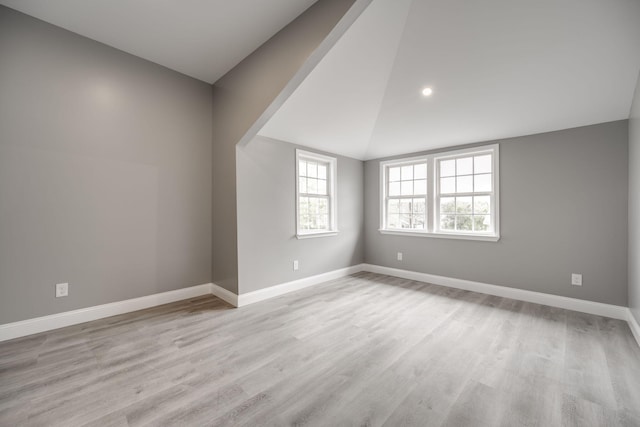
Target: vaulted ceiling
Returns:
[200, 38]
[498, 69]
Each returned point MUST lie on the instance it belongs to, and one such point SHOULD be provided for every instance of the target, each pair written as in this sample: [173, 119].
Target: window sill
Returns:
[479, 237]
[320, 234]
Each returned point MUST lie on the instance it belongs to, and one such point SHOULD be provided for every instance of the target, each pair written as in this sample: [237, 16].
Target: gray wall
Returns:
[634, 205]
[267, 243]
[563, 199]
[240, 99]
[105, 173]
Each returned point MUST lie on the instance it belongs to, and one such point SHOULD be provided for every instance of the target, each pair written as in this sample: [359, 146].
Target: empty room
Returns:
[320, 212]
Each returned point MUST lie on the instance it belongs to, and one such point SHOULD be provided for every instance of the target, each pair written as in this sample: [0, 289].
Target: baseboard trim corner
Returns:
[224, 294]
[36, 325]
[584, 306]
[295, 285]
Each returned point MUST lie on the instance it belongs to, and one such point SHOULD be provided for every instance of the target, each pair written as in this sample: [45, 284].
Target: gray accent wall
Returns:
[246, 96]
[563, 198]
[105, 173]
[267, 242]
[634, 205]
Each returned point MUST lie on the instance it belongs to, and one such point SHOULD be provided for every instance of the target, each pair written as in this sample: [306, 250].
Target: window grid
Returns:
[314, 203]
[315, 194]
[406, 196]
[465, 193]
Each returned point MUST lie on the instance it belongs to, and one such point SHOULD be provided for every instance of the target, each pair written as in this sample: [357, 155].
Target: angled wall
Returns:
[105, 173]
[248, 95]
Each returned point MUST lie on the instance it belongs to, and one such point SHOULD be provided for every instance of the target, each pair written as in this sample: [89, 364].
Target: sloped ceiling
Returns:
[498, 69]
[336, 107]
[200, 38]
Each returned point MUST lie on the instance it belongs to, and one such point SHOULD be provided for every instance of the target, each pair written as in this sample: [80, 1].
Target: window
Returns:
[315, 194]
[407, 196]
[452, 194]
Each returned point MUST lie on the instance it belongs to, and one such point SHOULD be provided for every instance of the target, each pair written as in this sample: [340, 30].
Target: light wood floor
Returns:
[362, 350]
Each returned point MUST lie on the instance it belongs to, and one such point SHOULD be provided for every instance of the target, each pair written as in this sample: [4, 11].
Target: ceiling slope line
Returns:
[312, 61]
[365, 155]
[346, 87]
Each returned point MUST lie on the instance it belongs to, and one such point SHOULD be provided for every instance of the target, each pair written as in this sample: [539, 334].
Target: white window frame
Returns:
[384, 167]
[332, 196]
[432, 223]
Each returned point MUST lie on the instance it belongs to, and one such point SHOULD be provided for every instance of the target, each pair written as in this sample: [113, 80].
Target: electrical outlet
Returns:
[399, 256]
[576, 279]
[62, 290]
[295, 265]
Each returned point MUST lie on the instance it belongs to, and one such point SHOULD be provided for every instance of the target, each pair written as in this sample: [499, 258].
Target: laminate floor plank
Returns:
[366, 349]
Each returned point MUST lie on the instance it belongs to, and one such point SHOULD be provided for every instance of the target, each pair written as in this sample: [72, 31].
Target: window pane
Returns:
[322, 171]
[420, 186]
[447, 222]
[482, 182]
[464, 166]
[447, 205]
[464, 222]
[482, 164]
[447, 185]
[322, 186]
[394, 174]
[302, 168]
[405, 220]
[313, 206]
[302, 185]
[394, 206]
[323, 206]
[482, 222]
[463, 205]
[420, 171]
[406, 188]
[418, 221]
[407, 172]
[394, 189]
[393, 221]
[304, 222]
[419, 206]
[323, 222]
[405, 206]
[312, 169]
[312, 186]
[447, 168]
[464, 184]
[303, 205]
[481, 204]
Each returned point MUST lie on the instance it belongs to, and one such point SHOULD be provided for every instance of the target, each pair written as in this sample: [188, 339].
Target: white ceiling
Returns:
[499, 68]
[200, 38]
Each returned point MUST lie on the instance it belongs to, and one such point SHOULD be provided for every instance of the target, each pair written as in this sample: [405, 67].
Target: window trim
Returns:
[332, 196]
[432, 227]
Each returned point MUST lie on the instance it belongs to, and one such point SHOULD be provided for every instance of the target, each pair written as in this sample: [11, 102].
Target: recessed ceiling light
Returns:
[427, 91]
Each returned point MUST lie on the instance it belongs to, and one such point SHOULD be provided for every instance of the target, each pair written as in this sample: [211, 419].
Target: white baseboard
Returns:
[634, 326]
[46, 323]
[584, 306]
[284, 288]
[54, 321]
[224, 294]
[60, 320]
